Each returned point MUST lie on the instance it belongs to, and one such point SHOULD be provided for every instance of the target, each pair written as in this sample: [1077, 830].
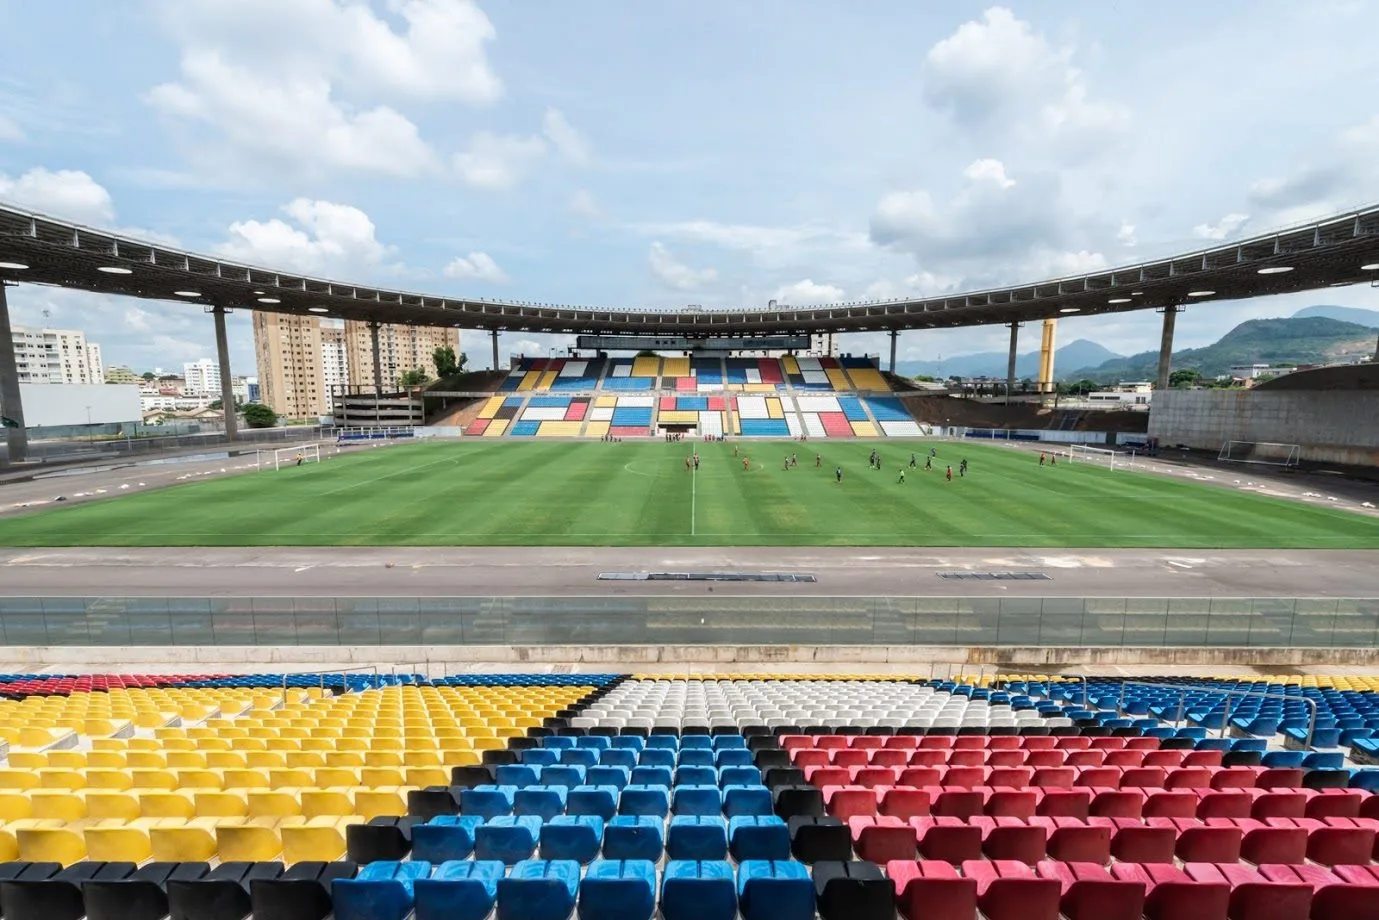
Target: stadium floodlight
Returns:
[1119, 300]
[114, 270]
[269, 300]
[14, 266]
[1200, 293]
[187, 293]
[1371, 267]
[1275, 269]
[1269, 453]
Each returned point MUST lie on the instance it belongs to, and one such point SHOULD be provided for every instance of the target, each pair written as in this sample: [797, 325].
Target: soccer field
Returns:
[640, 494]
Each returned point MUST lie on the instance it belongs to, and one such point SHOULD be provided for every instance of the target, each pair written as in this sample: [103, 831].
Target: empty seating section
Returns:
[893, 418]
[544, 797]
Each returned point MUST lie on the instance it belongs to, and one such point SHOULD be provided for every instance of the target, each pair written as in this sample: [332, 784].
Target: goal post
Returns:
[1100, 456]
[294, 456]
[1269, 453]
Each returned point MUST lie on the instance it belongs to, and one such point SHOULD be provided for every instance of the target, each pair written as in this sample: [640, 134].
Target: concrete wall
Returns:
[1330, 427]
[52, 404]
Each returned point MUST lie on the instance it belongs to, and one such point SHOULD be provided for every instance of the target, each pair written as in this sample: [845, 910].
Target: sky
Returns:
[709, 152]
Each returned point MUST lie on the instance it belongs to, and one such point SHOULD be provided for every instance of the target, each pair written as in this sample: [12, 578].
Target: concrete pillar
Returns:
[1166, 346]
[377, 359]
[227, 389]
[17, 439]
[894, 336]
[494, 333]
[1010, 362]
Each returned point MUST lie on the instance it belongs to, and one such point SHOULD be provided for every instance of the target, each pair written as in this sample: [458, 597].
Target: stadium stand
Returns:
[542, 796]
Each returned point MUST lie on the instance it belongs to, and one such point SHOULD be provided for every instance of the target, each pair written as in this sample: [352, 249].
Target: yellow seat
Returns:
[319, 802]
[383, 758]
[57, 778]
[166, 805]
[15, 806]
[427, 776]
[420, 758]
[248, 842]
[193, 840]
[103, 804]
[380, 776]
[290, 779]
[148, 760]
[128, 842]
[266, 760]
[199, 779]
[152, 779]
[321, 838]
[221, 805]
[27, 760]
[310, 760]
[245, 779]
[272, 804]
[376, 802]
[50, 843]
[58, 805]
[326, 777]
[103, 778]
[226, 760]
[108, 760]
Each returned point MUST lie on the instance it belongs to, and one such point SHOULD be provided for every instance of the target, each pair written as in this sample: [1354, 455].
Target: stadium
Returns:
[703, 618]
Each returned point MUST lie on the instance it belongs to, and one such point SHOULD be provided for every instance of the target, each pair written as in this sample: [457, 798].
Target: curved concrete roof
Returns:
[1319, 254]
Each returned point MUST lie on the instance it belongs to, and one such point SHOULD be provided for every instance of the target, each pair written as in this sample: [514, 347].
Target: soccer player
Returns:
[962, 467]
[838, 474]
[1042, 458]
[746, 463]
[913, 463]
[950, 472]
[901, 480]
[299, 458]
[928, 463]
[818, 460]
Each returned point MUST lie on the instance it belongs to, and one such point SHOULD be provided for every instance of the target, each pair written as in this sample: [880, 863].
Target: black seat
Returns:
[432, 801]
[814, 839]
[522, 744]
[761, 741]
[1177, 744]
[223, 894]
[766, 758]
[1326, 779]
[383, 839]
[468, 777]
[300, 893]
[775, 777]
[498, 757]
[57, 897]
[853, 891]
[1242, 758]
[793, 801]
[141, 896]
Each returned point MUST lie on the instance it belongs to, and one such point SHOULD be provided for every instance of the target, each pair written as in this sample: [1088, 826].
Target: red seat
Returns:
[1179, 803]
[1230, 803]
[1126, 758]
[848, 757]
[794, 743]
[1172, 894]
[1202, 758]
[970, 743]
[1107, 777]
[1279, 842]
[888, 757]
[1166, 759]
[931, 742]
[1279, 778]
[929, 758]
[903, 802]
[1065, 803]
[1339, 841]
[919, 777]
[1011, 803]
[1046, 758]
[1142, 744]
[1109, 743]
[1188, 778]
[1009, 890]
[831, 742]
[932, 890]
[867, 742]
[809, 757]
[1073, 743]
[1135, 841]
[1253, 897]
[1003, 743]
[871, 776]
[827, 776]
[1142, 778]
[1214, 841]
[1089, 892]
[953, 840]
[1010, 777]
[850, 801]
[1073, 840]
[1355, 897]
[1038, 742]
[1011, 838]
[882, 839]
[963, 777]
[1232, 777]
[901, 742]
[956, 803]
[967, 757]
[1091, 758]
[1005, 758]
[1117, 803]
[1335, 803]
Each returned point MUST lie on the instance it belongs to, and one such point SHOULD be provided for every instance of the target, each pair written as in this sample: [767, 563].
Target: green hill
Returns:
[1298, 340]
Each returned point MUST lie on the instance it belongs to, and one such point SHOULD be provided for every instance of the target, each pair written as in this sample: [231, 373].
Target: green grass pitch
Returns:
[639, 494]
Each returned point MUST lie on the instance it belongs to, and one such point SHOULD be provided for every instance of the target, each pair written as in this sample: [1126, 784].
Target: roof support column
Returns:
[227, 389]
[1010, 362]
[494, 333]
[16, 438]
[895, 334]
[1170, 313]
[377, 359]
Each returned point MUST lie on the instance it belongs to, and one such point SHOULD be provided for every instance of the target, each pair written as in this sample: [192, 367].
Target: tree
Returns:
[1184, 377]
[444, 359]
[149, 375]
[414, 378]
[217, 404]
[924, 378]
[257, 415]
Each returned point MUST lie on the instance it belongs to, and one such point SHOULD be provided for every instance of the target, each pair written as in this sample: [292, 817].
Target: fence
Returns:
[647, 620]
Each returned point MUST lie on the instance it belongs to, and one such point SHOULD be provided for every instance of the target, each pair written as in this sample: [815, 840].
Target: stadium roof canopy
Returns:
[1339, 250]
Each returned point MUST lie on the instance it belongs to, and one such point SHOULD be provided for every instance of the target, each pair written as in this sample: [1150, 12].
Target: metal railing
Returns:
[1184, 689]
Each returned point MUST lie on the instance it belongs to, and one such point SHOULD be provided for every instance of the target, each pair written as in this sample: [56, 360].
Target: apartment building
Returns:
[291, 374]
[400, 349]
[202, 378]
[56, 356]
[335, 363]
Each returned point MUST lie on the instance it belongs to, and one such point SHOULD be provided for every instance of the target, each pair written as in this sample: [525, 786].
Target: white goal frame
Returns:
[1268, 453]
[1099, 456]
[287, 456]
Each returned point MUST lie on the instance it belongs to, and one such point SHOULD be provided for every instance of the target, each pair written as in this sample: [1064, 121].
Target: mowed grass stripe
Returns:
[639, 494]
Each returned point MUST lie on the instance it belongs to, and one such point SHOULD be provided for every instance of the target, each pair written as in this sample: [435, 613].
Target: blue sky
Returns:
[709, 152]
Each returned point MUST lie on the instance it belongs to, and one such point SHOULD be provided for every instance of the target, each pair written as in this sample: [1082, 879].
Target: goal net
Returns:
[1270, 453]
[289, 456]
[1100, 456]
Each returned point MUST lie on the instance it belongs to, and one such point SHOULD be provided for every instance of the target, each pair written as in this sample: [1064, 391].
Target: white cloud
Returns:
[807, 293]
[582, 203]
[323, 238]
[10, 133]
[1229, 225]
[564, 138]
[495, 161]
[920, 284]
[675, 274]
[999, 74]
[67, 193]
[1126, 234]
[988, 170]
[769, 247]
[477, 266]
[1337, 175]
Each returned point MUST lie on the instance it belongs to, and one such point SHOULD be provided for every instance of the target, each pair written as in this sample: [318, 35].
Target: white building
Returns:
[57, 356]
[1255, 371]
[202, 377]
[335, 360]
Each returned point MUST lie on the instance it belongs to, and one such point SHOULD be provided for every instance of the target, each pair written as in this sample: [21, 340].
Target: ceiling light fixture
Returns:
[14, 266]
[187, 293]
[1276, 269]
[1200, 293]
[115, 270]
[1371, 267]
[260, 293]
[1119, 300]
[1070, 310]
[1137, 293]
[269, 300]
[317, 310]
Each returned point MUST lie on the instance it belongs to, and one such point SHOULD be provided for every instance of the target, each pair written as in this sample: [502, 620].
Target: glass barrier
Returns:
[724, 620]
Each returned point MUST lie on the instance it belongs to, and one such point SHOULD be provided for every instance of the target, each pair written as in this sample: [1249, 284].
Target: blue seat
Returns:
[507, 839]
[596, 742]
[695, 757]
[758, 837]
[1214, 744]
[577, 837]
[695, 741]
[1365, 779]
[698, 891]
[567, 775]
[460, 890]
[487, 801]
[696, 776]
[1324, 760]
[697, 800]
[733, 757]
[558, 742]
[665, 742]
[657, 757]
[580, 756]
[1250, 744]
[739, 776]
[539, 889]
[780, 890]
[697, 837]
[653, 801]
[746, 800]
[1283, 758]
[729, 742]
[618, 757]
[615, 889]
[629, 742]
[518, 774]
[607, 775]
[381, 891]
[650, 776]
[540, 757]
[634, 837]
[444, 838]
[593, 800]
[542, 801]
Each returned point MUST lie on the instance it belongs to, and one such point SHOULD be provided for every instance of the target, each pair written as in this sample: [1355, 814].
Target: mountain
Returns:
[1078, 353]
[1344, 314]
[1295, 340]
